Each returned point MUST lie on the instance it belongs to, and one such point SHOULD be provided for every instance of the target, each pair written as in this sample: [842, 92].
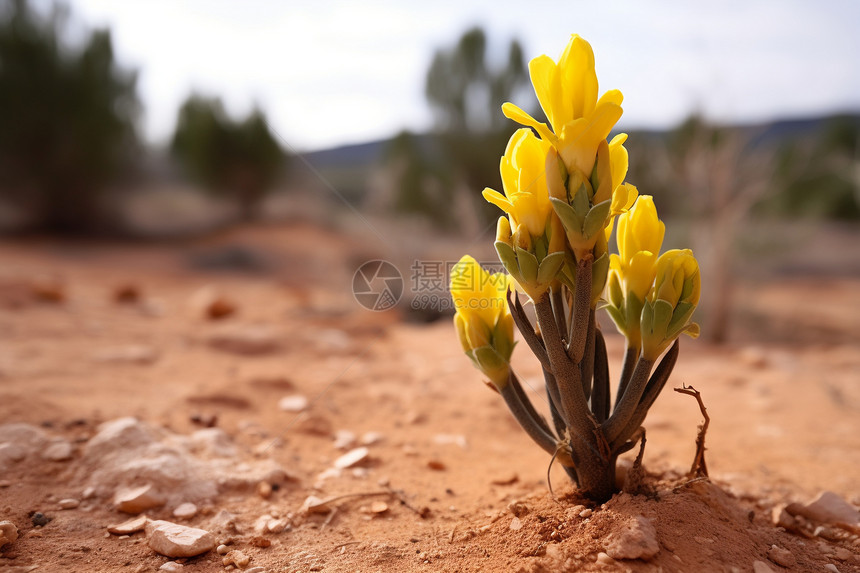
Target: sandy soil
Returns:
[463, 488]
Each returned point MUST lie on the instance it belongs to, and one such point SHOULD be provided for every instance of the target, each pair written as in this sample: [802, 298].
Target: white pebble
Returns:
[69, 503]
[296, 403]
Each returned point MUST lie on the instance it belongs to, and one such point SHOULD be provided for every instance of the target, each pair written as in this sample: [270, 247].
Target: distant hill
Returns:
[372, 152]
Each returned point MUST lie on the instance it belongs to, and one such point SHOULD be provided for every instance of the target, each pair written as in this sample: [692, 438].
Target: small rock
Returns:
[39, 519]
[378, 507]
[128, 527]
[842, 554]
[261, 542]
[260, 524]
[352, 458]
[5, 483]
[313, 504]
[636, 540]
[136, 500]
[828, 507]
[246, 340]
[508, 479]
[781, 556]
[236, 558]
[344, 439]
[761, 567]
[585, 513]
[451, 439]
[223, 521]
[295, 403]
[518, 508]
[605, 559]
[436, 465]
[264, 489]
[219, 308]
[69, 503]
[516, 524]
[12, 452]
[8, 532]
[58, 451]
[781, 518]
[127, 293]
[277, 525]
[174, 540]
[370, 438]
[185, 511]
[131, 354]
[172, 566]
[222, 549]
[831, 568]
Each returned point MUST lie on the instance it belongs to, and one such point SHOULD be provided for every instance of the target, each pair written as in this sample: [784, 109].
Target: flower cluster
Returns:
[563, 187]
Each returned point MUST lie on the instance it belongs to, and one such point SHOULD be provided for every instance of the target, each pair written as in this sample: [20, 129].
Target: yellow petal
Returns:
[513, 112]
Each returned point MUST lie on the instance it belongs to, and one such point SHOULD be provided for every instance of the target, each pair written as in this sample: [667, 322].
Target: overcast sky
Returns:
[329, 73]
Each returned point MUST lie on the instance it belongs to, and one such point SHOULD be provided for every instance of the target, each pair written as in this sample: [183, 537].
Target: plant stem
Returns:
[578, 332]
[573, 406]
[587, 364]
[626, 406]
[527, 404]
[600, 394]
[527, 330]
[630, 357]
[525, 419]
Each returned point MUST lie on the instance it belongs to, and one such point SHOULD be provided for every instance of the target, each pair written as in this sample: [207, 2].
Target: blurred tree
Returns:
[237, 159]
[66, 120]
[721, 176]
[819, 175]
[465, 89]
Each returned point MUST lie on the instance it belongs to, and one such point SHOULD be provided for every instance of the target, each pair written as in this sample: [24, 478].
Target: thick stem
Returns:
[578, 332]
[527, 404]
[558, 309]
[626, 406]
[627, 367]
[587, 364]
[573, 405]
[597, 478]
[554, 404]
[600, 394]
[526, 421]
[649, 396]
[527, 330]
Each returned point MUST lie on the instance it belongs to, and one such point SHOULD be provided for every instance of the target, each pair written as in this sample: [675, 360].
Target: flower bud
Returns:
[671, 302]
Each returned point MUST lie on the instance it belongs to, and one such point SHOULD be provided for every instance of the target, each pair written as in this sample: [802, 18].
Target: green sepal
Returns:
[569, 218]
[503, 345]
[662, 316]
[599, 270]
[618, 318]
[595, 221]
[508, 257]
[549, 267]
[682, 314]
[528, 266]
[492, 364]
[580, 201]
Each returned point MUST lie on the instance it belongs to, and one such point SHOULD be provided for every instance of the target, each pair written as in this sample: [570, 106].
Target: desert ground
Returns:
[237, 373]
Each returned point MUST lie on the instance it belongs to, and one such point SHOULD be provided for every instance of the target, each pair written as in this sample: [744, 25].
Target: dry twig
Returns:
[699, 467]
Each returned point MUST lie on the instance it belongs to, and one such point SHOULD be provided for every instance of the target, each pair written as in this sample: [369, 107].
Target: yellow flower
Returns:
[632, 271]
[526, 198]
[671, 302]
[483, 320]
[640, 235]
[567, 92]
